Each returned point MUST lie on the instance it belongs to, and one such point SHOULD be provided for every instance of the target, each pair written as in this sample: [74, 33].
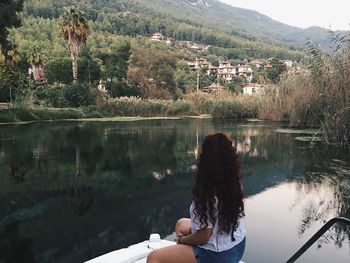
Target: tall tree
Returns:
[37, 60]
[75, 31]
[116, 63]
[9, 10]
[275, 71]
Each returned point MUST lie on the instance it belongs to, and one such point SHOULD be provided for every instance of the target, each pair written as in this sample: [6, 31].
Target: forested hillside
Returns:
[177, 19]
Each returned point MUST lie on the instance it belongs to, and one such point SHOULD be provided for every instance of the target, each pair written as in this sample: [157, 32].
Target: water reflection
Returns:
[14, 247]
[78, 190]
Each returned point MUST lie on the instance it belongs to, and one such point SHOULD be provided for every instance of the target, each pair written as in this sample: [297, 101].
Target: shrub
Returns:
[78, 95]
[120, 89]
[180, 108]
[50, 96]
[57, 114]
[13, 83]
[7, 116]
[24, 114]
[91, 112]
[225, 106]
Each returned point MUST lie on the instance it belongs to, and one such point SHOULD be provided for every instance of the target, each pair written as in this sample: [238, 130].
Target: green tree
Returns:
[89, 69]
[275, 71]
[152, 71]
[59, 70]
[75, 31]
[9, 17]
[116, 63]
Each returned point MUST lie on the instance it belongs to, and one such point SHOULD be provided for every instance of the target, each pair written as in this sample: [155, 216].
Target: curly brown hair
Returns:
[218, 193]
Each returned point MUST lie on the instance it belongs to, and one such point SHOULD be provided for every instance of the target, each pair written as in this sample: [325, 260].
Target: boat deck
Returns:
[135, 253]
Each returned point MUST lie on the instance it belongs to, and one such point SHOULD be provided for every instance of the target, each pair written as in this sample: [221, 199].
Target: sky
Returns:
[332, 14]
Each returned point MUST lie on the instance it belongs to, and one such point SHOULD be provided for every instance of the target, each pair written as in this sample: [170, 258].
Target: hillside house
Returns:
[288, 63]
[257, 63]
[199, 47]
[226, 71]
[199, 63]
[157, 37]
[245, 71]
[253, 89]
[170, 41]
[214, 88]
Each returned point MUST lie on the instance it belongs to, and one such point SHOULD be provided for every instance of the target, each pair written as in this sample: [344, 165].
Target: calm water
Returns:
[70, 191]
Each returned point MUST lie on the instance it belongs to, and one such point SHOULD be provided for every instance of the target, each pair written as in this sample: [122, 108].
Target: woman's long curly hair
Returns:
[218, 193]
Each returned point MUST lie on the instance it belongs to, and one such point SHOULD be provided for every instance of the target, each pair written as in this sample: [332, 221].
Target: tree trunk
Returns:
[74, 52]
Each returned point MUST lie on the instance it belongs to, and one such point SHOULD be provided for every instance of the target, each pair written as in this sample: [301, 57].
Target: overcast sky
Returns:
[302, 13]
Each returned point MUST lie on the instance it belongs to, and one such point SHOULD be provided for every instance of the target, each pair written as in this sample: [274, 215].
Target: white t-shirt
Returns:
[218, 242]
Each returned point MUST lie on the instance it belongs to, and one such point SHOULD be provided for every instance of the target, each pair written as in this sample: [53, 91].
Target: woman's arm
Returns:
[197, 238]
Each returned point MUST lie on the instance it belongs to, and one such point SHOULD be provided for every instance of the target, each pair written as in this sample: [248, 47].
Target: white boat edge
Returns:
[136, 253]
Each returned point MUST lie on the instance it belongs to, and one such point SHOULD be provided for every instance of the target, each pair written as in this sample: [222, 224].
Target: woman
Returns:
[215, 233]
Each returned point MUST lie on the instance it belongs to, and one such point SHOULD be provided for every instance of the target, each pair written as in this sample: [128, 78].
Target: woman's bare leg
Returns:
[183, 225]
[172, 254]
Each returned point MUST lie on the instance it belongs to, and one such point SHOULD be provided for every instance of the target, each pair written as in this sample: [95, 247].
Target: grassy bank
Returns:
[195, 104]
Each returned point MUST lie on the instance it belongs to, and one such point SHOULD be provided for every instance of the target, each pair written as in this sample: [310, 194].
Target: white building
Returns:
[253, 89]
[157, 37]
[245, 71]
[288, 63]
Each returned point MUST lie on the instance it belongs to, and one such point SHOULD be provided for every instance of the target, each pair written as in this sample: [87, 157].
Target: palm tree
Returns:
[37, 60]
[75, 31]
[10, 57]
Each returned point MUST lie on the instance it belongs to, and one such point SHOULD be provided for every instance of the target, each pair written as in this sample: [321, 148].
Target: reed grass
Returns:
[320, 98]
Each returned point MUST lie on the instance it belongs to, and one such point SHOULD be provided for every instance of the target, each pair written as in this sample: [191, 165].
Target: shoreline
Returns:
[110, 119]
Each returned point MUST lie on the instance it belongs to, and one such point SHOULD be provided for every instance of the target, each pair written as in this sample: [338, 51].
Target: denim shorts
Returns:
[233, 255]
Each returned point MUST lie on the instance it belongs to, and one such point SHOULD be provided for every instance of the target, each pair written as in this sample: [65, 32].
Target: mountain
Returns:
[234, 20]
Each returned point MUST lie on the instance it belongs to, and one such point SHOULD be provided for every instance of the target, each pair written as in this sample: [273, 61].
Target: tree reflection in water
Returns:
[330, 179]
[13, 247]
[103, 186]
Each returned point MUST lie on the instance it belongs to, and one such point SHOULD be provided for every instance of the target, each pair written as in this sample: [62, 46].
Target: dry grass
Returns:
[320, 98]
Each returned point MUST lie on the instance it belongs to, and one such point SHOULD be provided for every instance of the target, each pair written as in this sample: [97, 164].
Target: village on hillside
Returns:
[221, 73]
[228, 71]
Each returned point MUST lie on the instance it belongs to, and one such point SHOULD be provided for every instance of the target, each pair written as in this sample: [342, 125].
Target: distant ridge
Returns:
[216, 14]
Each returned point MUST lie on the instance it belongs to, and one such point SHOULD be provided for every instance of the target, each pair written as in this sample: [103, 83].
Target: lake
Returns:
[71, 191]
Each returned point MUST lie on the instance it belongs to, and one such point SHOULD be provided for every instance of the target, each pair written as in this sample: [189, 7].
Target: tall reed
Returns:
[320, 98]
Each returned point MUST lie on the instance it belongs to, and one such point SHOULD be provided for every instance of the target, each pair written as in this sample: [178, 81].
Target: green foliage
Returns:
[152, 71]
[7, 116]
[78, 95]
[116, 62]
[13, 84]
[274, 72]
[183, 77]
[45, 9]
[50, 96]
[59, 70]
[36, 58]
[120, 89]
[224, 106]
[88, 70]
[35, 114]
[41, 33]
[9, 17]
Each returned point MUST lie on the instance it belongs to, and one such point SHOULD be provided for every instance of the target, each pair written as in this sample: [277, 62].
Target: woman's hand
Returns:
[178, 239]
[197, 238]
